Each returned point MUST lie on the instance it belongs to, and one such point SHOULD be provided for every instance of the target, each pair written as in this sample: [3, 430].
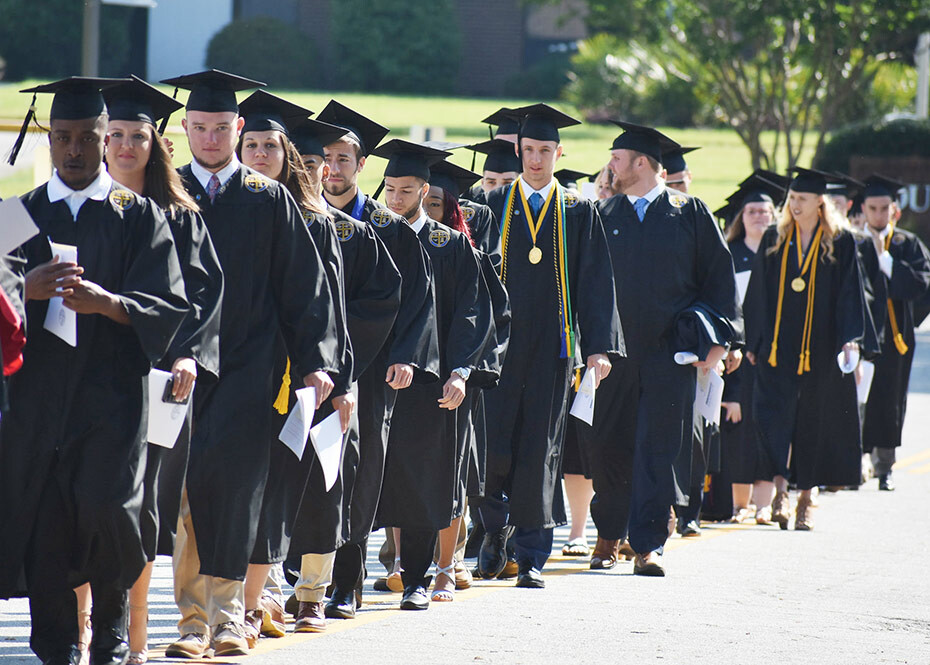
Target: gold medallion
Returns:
[535, 255]
[797, 284]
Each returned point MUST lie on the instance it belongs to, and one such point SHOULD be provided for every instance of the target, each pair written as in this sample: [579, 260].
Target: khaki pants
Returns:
[316, 573]
[204, 601]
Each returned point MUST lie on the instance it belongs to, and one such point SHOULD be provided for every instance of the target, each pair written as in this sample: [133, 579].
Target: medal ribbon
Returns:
[899, 342]
[534, 228]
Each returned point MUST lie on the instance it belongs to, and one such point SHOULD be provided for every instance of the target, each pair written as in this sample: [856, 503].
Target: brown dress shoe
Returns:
[803, 518]
[781, 510]
[230, 639]
[646, 565]
[626, 551]
[511, 569]
[273, 622]
[605, 554]
[310, 618]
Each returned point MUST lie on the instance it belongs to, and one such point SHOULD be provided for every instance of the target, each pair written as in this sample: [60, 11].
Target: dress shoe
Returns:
[626, 551]
[341, 605]
[191, 645]
[310, 618]
[273, 623]
[415, 598]
[252, 628]
[691, 529]
[647, 566]
[511, 570]
[781, 510]
[229, 639]
[605, 554]
[803, 518]
[475, 536]
[70, 655]
[886, 482]
[493, 555]
[292, 605]
[530, 578]
[109, 644]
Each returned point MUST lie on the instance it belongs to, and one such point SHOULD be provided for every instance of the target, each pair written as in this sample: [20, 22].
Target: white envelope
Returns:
[59, 320]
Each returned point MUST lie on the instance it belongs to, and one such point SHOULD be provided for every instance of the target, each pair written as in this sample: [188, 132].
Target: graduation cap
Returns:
[567, 177]
[213, 91]
[263, 112]
[310, 136]
[501, 156]
[642, 139]
[452, 177]
[76, 98]
[727, 212]
[879, 185]
[505, 123]
[137, 101]
[810, 181]
[406, 158]
[443, 145]
[846, 186]
[674, 160]
[770, 176]
[365, 131]
[540, 122]
[756, 189]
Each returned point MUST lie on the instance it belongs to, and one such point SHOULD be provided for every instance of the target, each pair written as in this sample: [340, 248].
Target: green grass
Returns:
[717, 167]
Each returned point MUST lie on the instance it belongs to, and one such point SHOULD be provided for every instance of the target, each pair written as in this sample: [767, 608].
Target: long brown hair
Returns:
[162, 182]
[833, 225]
[737, 230]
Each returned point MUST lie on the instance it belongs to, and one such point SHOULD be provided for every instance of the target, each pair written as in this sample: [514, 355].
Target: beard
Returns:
[337, 190]
[214, 166]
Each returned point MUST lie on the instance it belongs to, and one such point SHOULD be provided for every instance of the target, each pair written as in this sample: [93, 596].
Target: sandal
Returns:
[576, 547]
[394, 581]
[85, 634]
[444, 595]
[139, 657]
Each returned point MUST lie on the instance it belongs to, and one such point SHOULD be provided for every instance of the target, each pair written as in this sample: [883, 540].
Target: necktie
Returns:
[640, 208]
[536, 202]
[213, 187]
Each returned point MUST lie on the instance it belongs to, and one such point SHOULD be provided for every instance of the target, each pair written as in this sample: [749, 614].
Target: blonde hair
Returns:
[833, 224]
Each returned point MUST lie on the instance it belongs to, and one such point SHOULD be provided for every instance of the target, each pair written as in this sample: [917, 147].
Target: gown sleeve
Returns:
[850, 297]
[472, 327]
[910, 274]
[716, 278]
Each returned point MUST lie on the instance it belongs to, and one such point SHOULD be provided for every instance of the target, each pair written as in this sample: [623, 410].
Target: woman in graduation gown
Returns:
[138, 158]
[805, 314]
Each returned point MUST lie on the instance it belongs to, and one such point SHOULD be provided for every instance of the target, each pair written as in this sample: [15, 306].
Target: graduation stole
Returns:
[899, 342]
[798, 285]
[556, 202]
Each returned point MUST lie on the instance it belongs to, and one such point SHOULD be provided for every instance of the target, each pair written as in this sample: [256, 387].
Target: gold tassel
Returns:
[576, 382]
[900, 344]
[284, 394]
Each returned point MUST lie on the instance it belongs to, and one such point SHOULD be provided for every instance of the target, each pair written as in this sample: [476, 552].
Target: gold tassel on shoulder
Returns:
[284, 393]
[898, 338]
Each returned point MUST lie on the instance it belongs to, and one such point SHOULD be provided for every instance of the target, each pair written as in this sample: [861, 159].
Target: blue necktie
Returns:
[536, 203]
[640, 208]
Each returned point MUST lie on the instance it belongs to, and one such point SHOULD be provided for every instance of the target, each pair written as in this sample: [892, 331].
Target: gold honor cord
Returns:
[534, 225]
[898, 338]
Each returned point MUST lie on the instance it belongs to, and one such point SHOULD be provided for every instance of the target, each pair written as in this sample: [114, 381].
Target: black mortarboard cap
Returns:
[756, 189]
[568, 177]
[879, 185]
[727, 212]
[541, 122]
[770, 176]
[810, 181]
[213, 91]
[406, 158]
[501, 156]
[674, 160]
[137, 101]
[311, 136]
[443, 145]
[263, 112]
[846, 186]
[367, 132]
[642, 139]
[506, 124]
[452, 177]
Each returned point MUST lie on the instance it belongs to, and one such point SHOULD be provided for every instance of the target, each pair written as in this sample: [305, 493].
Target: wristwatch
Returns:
[463, 372]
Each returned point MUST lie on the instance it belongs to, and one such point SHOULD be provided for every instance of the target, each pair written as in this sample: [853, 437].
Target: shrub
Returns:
[894, 138]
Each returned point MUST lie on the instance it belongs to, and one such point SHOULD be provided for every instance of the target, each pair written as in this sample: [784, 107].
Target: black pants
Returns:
[416, 555]
[349, 568]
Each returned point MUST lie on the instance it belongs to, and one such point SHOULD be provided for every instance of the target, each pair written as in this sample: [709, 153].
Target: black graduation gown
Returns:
[275, 283]
[476, 194]
[526, 413]
[86, 462]
[814, 416]
[426, 464]
[910, 279]
[485, 233]
[198, 338]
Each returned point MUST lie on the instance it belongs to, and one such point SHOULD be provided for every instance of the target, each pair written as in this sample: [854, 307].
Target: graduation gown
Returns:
[275, 284]
[811, 419]
[426, 464]
[71, 485]
[485, 233]
[909, 281]
[526, 413]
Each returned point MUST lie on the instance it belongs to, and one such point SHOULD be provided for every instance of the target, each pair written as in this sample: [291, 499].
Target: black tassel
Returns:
[473, 155]
[18, 145]
[490, 132]
[378, 191]
[164, 121]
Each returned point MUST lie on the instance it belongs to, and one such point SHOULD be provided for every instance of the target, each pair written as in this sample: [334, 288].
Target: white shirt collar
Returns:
[650, 196]
[97, 190]
[881, 234]
[418, 225]
[528, 191]
[203, 175]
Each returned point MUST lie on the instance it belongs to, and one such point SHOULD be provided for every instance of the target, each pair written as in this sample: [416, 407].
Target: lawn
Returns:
[717, 167]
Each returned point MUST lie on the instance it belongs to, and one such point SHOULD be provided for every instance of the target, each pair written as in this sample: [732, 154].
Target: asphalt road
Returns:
[854, 590]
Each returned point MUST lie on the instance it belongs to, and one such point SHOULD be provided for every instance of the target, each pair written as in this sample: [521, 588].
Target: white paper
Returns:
[327, 438]
[17, 226]
[708, 394]
[845, 367]
[165, 418]
[865, 384]
[583, 406]
[59, 320]
[686, 358]
[297, 426]
[742, 283]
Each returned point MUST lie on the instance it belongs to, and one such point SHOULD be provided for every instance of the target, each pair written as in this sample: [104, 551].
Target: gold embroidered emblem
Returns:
[381, 218]
[122, 199]
[439, 238]
[344, 230]
[255, 183]
[468, 213]
[677, 200]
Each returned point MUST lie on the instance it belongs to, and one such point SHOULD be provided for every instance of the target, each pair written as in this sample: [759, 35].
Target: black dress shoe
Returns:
[71, 656]
[473, 543]
[493, 554]
[690, 529]
[886, 482]
[341, 605]
[292, 605]
[110, 620]
[415, 598]
[530, 578]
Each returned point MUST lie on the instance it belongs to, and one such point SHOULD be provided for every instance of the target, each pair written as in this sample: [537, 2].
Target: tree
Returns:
[789, 66]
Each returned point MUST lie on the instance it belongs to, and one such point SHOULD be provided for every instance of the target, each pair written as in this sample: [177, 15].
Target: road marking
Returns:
[920, 469]
[913, 459]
